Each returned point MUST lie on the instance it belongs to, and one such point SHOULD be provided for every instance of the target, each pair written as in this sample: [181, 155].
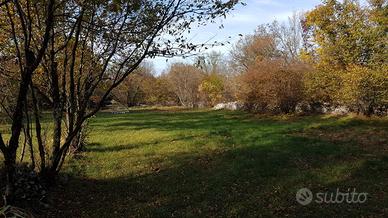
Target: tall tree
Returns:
[340, 29]
[185, 80]
[84, 46]
[348, 49]
[29, 44]
[136, 88]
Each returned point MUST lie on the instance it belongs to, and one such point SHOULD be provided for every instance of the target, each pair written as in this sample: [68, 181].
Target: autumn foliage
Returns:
[346, 44]
[332, 56]
[272, 86]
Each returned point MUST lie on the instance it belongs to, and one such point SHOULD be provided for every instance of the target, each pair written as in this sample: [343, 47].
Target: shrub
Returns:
[321, 86]
[365, 90]
[212, 89]
[272, 86]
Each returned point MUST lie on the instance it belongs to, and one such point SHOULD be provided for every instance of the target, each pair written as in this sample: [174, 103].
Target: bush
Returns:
[365, 90]
[321, 86]
[272, 86]
[212, 89]
[30, 191]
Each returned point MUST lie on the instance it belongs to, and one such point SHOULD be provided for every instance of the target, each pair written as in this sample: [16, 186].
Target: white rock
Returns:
[341, 110]
[228, 106]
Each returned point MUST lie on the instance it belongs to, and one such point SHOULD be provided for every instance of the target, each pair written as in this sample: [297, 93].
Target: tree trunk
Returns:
[17, 124]
[10, 162]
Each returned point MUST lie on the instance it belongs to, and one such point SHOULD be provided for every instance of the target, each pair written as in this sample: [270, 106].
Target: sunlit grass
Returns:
[162, 163]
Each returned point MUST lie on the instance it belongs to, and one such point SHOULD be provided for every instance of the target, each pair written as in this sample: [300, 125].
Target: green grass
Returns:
[163, 163]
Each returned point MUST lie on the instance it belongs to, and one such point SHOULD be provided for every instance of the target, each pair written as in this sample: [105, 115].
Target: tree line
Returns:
[203, 84]
[332, 56]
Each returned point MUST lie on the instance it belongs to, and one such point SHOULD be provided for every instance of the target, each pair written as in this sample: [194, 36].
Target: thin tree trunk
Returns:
[28, 135]
[24, 146]
[38, 129]
[17, 124]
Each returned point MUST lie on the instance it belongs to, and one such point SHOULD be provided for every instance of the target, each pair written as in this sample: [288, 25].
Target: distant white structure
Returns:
[341, 110]
[228, 106]
[325, 108]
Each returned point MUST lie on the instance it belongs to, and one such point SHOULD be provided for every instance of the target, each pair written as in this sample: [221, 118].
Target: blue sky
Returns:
[243, 20]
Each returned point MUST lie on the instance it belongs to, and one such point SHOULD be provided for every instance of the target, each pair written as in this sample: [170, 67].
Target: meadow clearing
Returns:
[149, 83]
[191, 163]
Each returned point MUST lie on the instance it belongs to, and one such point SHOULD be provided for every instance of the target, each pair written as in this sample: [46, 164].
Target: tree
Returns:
[280, 39]
[341, 32]
[270, 75]
[82, 47]
[253, 48]
[136, 88]
[364, 89]
[272, 86]
[378, 28]
[28, 57]
[161, 93]
[348, 49]
[185, 80]
[288, 37]
[212, 62]
[212, 89]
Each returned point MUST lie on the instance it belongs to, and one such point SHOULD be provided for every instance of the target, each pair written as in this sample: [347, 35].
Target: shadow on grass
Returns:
[98, 147]
[255, 172]
[221, 185]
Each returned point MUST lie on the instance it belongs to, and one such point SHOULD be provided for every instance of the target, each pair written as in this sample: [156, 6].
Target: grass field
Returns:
[162, 163]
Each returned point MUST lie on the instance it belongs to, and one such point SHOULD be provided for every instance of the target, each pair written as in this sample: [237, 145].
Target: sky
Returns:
[243, 20]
